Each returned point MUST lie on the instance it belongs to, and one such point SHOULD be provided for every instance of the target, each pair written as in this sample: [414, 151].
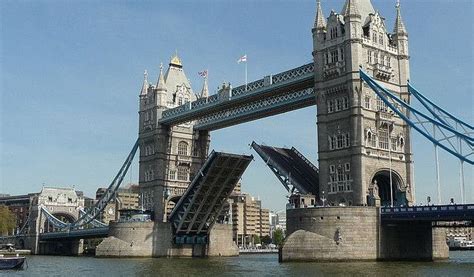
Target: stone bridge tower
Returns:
[170, 156]
[360, 140]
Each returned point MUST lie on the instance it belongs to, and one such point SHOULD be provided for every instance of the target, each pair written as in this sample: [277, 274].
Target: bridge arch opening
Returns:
[381, 188]
[64, 217]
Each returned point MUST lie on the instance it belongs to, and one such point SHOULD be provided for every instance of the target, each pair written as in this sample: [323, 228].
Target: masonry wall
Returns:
[331, 234]
[154, 239]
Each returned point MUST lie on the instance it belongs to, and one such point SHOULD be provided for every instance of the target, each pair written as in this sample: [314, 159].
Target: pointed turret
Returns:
[320, 20]
[160, 85]
[161, 90]
[399, 28]
[144, 90]
[205, 89]
[361, 7]
[351, 9]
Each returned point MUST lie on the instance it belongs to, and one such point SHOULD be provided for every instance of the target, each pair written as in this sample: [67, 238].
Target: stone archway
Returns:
[381, 188]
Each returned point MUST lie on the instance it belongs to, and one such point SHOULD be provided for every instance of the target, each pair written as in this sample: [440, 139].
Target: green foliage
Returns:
[266, 239]
[7, 220]
[256, 239]
[278, 237]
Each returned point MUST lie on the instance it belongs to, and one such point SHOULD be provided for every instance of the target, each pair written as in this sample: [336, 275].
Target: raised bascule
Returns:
[359, 81]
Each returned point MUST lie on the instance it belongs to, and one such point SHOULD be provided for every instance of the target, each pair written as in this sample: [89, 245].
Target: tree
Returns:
[7, 220]
[256, 239]
[266, 239]
[278, 237]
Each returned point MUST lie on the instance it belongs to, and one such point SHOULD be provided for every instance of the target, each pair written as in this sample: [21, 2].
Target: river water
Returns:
[461, 263]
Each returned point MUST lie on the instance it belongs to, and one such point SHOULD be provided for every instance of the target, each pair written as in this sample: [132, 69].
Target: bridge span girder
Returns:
[272, 95]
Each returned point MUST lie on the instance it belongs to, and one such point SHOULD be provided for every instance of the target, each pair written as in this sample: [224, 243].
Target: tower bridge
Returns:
[359, 81]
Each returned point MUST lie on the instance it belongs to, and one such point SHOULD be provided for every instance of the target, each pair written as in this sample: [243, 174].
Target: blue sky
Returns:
[71, 74]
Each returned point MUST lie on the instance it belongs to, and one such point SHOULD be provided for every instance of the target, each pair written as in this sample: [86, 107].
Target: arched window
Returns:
[182, 148]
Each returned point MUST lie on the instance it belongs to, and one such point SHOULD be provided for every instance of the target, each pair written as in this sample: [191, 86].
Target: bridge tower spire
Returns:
[319, 27]
[320, 20]
[361, 145]
[161, 90]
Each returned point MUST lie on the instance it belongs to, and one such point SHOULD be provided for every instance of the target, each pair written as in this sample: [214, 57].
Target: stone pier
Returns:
[155, 239]
[357, 233]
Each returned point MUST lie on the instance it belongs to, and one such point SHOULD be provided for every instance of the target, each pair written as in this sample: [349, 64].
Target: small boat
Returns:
[11, 262]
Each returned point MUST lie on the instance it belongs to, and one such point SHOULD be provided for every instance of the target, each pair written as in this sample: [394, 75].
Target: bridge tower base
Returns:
[357, 233]
[155, 239]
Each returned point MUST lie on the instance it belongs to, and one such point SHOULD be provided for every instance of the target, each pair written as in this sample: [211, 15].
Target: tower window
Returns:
[369, 56]
[345, 102]
[180, 101]
[381, 106]
[383, 137]
[367, 102]
[172, 174]
[334, 56]
[339, 141]
[330, 106]
[341, 51]
[347, 140]
[338, 104]
[332, 143]
[183, 148]
[183, 173]
[381, 38]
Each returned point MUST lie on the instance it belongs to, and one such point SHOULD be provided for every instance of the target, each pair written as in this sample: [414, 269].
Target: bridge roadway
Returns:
[271, 95]
[429, 213]
[98, 232]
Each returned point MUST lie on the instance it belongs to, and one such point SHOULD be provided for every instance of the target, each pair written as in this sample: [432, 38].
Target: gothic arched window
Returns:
[183, 148]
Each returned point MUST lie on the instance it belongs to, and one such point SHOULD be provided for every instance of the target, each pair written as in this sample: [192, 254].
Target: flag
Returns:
[203, 73]
[242, 59]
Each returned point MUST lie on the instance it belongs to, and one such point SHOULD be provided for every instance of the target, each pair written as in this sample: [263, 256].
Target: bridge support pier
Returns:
[61, 247]
[412, 241]
[358, 233]
[155, 239]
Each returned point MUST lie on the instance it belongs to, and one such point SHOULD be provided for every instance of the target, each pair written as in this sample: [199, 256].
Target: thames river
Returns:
[461, 263]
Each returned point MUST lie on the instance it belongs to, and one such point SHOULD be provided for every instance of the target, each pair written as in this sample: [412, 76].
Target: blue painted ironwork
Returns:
[429, 213]
[98, 232]
[89, 217]
[99, 207]
[256, 109]
[290, 82]
[450, 136]
[438, 112]
[53, 220]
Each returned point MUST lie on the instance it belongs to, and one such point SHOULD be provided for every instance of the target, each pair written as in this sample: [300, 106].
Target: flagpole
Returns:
[245, 74]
